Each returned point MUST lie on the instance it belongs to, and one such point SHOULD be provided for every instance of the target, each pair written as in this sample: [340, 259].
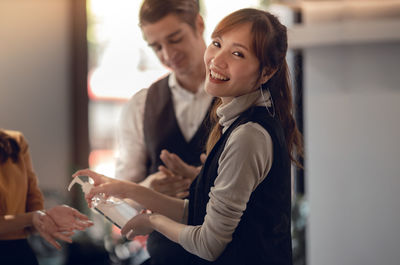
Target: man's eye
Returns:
[216, 44]
[173, 41]
[238, 54]
[156, 48]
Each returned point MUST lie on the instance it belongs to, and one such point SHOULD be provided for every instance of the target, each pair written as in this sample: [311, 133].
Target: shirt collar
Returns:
[227, 113]
[179, 92]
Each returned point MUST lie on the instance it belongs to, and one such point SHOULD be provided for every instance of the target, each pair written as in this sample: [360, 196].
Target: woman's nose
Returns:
[219, 60]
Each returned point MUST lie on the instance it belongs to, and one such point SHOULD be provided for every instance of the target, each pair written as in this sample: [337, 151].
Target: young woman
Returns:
[238, 211]
[21, 205]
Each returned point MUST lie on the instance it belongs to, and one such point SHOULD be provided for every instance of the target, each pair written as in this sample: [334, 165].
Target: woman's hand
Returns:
[97, 178]
[49, 230]
[138, 225]
[68, 219]
[117, 188]
[102, 185]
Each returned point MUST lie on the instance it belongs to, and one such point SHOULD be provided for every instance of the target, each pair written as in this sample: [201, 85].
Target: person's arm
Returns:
[131, 150]
[11, 223]
[34, 198]
[131, 162]
[144, 224]
[37, 221]
[148, 198]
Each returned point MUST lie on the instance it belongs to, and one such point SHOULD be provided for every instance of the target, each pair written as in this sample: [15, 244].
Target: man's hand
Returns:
[168, 184]
[174, 165]
[175, 177]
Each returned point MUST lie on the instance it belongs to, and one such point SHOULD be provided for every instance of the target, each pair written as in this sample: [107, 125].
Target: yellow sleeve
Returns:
[34, 200]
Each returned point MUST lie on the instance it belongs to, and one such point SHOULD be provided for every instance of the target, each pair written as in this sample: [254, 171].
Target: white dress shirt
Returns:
[190, 111]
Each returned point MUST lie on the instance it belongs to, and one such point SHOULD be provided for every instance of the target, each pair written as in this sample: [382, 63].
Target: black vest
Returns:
[263, 233]
[161, 131]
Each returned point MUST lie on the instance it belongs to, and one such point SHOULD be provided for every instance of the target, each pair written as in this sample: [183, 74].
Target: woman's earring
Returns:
[272, 114]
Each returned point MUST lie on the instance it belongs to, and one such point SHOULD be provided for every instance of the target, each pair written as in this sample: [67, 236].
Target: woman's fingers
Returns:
[82, 225]
[128, 226]
[62, 236]
[67, 218]
[138, 225]
[182, 195]
[116, 188]
[97, 178]
[130, 235]
[51, 240]
[79, 215]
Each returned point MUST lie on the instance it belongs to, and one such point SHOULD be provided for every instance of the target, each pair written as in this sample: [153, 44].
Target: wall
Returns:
[352, 126]
[34, 83]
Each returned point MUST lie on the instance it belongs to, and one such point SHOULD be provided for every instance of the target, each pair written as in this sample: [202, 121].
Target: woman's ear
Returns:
[267, 74]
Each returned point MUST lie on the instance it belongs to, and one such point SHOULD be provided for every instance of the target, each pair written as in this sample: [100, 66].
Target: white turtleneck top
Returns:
[243, 165]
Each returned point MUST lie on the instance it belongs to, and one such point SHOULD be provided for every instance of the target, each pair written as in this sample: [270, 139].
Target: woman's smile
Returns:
[232, 67]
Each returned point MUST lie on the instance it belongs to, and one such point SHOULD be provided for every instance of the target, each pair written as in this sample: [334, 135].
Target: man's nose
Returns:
[167, 53]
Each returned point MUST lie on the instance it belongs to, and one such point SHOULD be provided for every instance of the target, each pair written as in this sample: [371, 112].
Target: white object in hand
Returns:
[115, 210]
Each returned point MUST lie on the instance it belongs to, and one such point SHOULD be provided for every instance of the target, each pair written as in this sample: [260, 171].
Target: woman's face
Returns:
[232, 67]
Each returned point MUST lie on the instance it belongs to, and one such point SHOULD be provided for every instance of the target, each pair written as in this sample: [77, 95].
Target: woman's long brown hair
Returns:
[9, 148]
[270, 47]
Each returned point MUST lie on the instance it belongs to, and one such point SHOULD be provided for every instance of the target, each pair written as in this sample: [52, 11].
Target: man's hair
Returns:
[152, 11]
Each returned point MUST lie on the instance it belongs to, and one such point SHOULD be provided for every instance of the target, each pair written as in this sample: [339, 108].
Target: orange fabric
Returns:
[19, 191]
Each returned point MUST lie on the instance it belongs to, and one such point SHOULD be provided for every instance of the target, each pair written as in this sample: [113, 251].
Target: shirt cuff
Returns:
[185, 211]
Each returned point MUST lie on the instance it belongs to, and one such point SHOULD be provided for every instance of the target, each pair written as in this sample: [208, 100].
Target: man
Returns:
[171, 114]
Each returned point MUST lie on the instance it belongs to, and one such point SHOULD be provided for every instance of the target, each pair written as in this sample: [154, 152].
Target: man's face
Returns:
[177, 45]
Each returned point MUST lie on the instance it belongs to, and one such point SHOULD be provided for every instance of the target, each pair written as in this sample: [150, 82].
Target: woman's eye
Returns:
[216, 44]
[238, 54]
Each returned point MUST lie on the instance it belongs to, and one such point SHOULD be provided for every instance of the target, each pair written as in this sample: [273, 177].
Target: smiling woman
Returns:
[232, 66]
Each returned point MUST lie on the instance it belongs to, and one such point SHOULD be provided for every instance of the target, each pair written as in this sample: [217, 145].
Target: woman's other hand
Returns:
[138, 225]
[68, 219]
[47, 229]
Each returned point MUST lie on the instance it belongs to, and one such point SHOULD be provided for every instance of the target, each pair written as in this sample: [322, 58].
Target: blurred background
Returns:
[68, 66]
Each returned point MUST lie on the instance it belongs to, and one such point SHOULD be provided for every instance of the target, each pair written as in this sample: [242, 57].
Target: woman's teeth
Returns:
[218, 76]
